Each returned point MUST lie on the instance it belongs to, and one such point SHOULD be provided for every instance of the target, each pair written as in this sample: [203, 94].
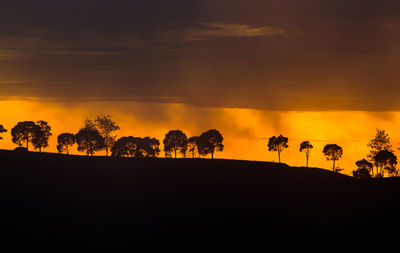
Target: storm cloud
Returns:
[274, 55]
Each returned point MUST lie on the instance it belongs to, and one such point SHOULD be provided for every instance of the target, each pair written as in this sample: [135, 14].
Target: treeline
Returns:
[380, 161]
[99, 134]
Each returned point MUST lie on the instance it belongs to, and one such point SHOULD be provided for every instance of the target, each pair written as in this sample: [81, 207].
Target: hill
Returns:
[58, 202]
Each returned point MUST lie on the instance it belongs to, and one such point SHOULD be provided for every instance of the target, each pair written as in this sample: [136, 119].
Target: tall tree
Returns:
[306, 147]
[385, 160]
[379, 143]
[333, 153]
[2, 130]
[89, 140]
[24, 132]
[41, 137]
[174, 141]
[64, 141]
[278, 144]
[193, 145]
[106, 127]
[210, 142]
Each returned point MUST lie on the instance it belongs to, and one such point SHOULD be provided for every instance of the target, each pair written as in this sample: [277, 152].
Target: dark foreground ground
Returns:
[65, 203]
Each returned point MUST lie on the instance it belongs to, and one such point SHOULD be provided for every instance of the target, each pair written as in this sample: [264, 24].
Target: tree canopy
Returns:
[136, 147]
[333, 153]
[306, 147]
[24, 132]
[64, 141]
[175, 141]
[2, 130]
[210, 142]
[106, 127]
[278, 144]
[42, 134]
[89, 140]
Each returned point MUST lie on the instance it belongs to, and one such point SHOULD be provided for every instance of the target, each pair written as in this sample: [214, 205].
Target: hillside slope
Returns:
[97, 202]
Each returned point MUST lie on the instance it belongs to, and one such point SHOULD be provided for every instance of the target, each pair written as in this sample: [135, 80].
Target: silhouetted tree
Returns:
[105, 127]
[306, 147]
[175, 140]
[278, 144]
[125, 146]
[333, 153]
[136, 147]
[24, 132]
[210, 142]
[192, 146]
[149, 147]
[2, 130]
[385, 160]
[364, 169]
[89, 140]
[64, 141]
[379, 143]
[42, 134]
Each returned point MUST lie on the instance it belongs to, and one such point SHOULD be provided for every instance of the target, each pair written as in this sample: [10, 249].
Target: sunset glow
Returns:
[245, 131]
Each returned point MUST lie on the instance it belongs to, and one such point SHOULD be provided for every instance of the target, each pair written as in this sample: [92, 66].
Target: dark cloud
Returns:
[284, 55]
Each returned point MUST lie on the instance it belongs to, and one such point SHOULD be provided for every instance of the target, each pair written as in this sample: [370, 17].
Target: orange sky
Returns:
[245, 131]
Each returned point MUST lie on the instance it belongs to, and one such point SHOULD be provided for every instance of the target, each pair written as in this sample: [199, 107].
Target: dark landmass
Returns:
[59, 202]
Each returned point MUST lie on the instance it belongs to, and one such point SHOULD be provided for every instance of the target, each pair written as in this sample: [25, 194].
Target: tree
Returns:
[24, 132]
[149, 147]
[278, 144]
[379, 143]
[89, 140]
[105, 127]
[210, 142]
[364, 169]
[136, 147]
[306, 147]
[2, 130]
[64, 141]
[192, 146]
[174, 141]
[333, 153]
[385, 160]
[125, 146]
[42, 134]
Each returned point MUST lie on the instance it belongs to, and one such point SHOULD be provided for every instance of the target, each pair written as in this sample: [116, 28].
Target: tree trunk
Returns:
[175, 153]
[212, 154]
[333, 169]
[307, 159]
[279, 156]
[67, 149]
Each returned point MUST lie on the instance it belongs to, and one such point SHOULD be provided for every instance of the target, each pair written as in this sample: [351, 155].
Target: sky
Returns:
[324, 71]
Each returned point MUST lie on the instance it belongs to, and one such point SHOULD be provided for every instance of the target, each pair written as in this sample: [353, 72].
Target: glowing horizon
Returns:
[245, 131]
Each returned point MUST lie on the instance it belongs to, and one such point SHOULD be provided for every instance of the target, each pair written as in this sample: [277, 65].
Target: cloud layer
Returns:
[278, 55]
